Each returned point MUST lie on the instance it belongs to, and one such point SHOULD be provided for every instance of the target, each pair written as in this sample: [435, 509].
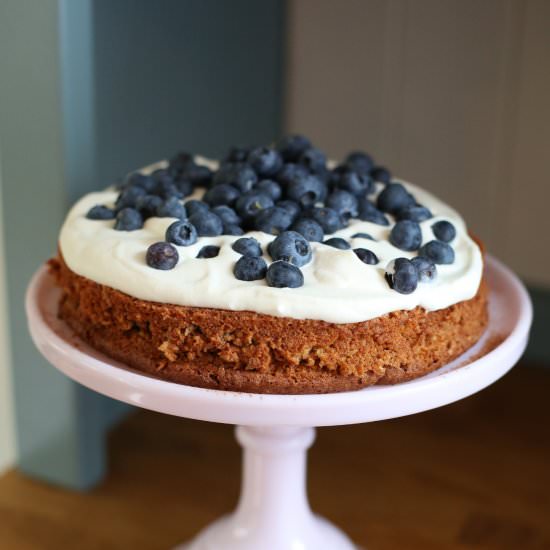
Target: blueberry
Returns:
[148, 205]
[207, 224]
[247, 246]
[393, 198]
[309, 229]
[292, 207]
[162, 256]
[270, 187]
[180, 161]
[366, 256]
[291, 247]
[290, 173]
[128, 197]
[251, 203]
[197, 174]
[363, 236]
[415, 213]
[250, 268]
[265, 161]
[406, 235]
[444, 231]
[355, 183]
[273, 220]
[166, 188]
[222, 193]
[314, 159]
[438, 252]
[239, 174]
[344, 203]
[100, 212]
[237, 154]
[359, 162]
[128, 219]
[194, 207]
[232, 229]
[381, 174]
[427, 272]
[337, 242]
[369, 213]
[402, 276]
[327, 218]
[281, 274]
[227, 215]
[182, 233]
[292, 147]
[208, 251]
[307, 190]
[184, 186]
[137, 179]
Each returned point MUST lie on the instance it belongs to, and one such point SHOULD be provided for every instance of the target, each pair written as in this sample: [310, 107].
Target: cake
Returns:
[272, 271]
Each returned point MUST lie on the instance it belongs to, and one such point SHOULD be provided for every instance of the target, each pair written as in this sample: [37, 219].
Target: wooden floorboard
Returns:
[474, 474]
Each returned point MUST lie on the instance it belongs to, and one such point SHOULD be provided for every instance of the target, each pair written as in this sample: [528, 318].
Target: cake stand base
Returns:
[275, 431]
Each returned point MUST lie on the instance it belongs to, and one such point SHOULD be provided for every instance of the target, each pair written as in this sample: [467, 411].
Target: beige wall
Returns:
[7, 443]
[451, 94]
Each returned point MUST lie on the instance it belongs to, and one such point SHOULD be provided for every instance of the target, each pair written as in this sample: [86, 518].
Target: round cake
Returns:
[272, 271]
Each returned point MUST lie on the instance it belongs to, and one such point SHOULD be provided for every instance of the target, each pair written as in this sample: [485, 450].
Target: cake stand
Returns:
[275, 431]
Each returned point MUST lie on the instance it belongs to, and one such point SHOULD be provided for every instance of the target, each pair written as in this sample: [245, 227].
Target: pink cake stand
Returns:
[275, 431]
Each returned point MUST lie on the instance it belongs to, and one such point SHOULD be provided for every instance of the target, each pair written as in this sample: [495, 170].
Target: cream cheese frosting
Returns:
[338, 286]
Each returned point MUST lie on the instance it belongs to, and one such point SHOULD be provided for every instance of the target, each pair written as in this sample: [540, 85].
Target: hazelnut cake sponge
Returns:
[272, 271]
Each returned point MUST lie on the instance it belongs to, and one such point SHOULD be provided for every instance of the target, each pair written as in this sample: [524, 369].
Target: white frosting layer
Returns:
[338, 287]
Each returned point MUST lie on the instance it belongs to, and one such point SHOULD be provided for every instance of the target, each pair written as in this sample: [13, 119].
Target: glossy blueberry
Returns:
[247, 246]
[137, 179]
[402, 276]
[194, 207]
[406, 235]
[182, 233]
[128, 196]
[360, 162]
[427, 272]
[232, 229]
[207, 224]
[251, 203]
[162, 256]
[415, 213]
[309, 229]
[327, 218]
[356, 183]
[344, 203]
[227, 215]
[208, 251]
[438, 252]
[281, 274]
[366, 256]
[148, 205]
[128, 219]
[444, 231]
[292, 207]
[222, 193]
[314, 159]
[237, 154]
[100, 212]
[290, 173]
[337, 242]
[380, 174]
[363, 236]
[291, 247]
[369, 213]
[292, 147]
[265, 161]
[250, 268]
[198, 174]
[393, 198]
[239, 174]
[273, 220]
[307, 190]
[270, 187]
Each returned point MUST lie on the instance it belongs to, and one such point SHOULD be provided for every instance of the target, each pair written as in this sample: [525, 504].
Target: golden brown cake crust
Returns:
[252, 352]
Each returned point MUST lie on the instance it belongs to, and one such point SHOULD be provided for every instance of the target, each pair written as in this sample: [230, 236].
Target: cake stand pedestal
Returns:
[275, 431]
